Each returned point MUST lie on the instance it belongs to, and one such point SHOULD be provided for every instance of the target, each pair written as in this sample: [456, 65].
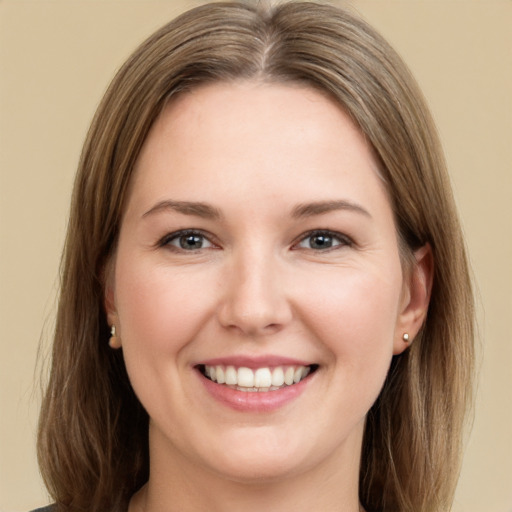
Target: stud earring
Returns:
[405, 337]
[114, 341]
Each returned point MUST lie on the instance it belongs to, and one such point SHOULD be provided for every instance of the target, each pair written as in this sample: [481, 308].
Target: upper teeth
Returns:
[260, 379]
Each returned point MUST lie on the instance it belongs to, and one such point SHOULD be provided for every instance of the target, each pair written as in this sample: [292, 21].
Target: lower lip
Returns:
[257, 401]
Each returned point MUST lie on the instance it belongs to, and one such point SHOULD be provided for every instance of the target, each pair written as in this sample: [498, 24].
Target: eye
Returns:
[322, 240]
[187, 240]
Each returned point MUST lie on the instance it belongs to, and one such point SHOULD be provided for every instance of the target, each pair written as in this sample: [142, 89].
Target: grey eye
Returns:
[189, 241]
[323, 240]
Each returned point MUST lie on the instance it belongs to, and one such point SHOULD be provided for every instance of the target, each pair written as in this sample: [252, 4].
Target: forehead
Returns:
[287, 109]
[250, 136]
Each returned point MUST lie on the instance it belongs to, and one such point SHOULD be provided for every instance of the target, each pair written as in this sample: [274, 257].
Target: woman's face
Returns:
[258, 244]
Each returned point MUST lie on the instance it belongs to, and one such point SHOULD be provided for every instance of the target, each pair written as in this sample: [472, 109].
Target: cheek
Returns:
[159, 308]
[353, 313]
[160, 312]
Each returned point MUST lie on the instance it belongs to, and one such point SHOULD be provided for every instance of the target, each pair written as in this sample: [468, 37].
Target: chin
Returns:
[260, 470]
[258, 459]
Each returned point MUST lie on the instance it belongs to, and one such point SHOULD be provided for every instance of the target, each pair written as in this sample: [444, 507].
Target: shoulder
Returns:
[48, 508]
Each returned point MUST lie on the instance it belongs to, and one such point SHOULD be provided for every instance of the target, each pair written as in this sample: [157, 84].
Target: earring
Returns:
[405, 337]
[114, 341]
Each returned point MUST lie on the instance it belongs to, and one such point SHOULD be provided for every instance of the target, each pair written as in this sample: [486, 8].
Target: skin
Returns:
[259, 286]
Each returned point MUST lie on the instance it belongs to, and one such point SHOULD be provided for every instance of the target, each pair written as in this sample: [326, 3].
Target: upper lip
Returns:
[254, 362]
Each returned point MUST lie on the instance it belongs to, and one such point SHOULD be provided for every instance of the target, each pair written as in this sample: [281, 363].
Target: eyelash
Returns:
[175, 236]
[343, 240]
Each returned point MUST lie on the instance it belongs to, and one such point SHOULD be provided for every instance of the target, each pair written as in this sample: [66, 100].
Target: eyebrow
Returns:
[197, 209]
[321, 207]
[207, 211]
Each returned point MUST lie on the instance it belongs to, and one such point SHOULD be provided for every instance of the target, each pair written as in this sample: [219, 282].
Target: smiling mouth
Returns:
[259, 379]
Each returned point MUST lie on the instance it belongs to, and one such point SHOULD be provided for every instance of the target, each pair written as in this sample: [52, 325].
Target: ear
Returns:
[110, 307]
[109, 297]
[416, 292]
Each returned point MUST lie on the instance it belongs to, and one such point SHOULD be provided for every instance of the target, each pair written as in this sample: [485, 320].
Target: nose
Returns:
[254, 300]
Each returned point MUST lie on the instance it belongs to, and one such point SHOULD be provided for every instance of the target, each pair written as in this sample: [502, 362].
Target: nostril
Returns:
[253, 302]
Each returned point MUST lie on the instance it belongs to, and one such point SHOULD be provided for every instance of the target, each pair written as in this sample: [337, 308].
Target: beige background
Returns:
[56, 58]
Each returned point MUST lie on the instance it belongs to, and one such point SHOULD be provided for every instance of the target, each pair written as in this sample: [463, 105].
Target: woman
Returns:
[265, 297]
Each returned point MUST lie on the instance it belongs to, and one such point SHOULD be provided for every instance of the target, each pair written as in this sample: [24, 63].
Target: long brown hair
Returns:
[93, 433]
